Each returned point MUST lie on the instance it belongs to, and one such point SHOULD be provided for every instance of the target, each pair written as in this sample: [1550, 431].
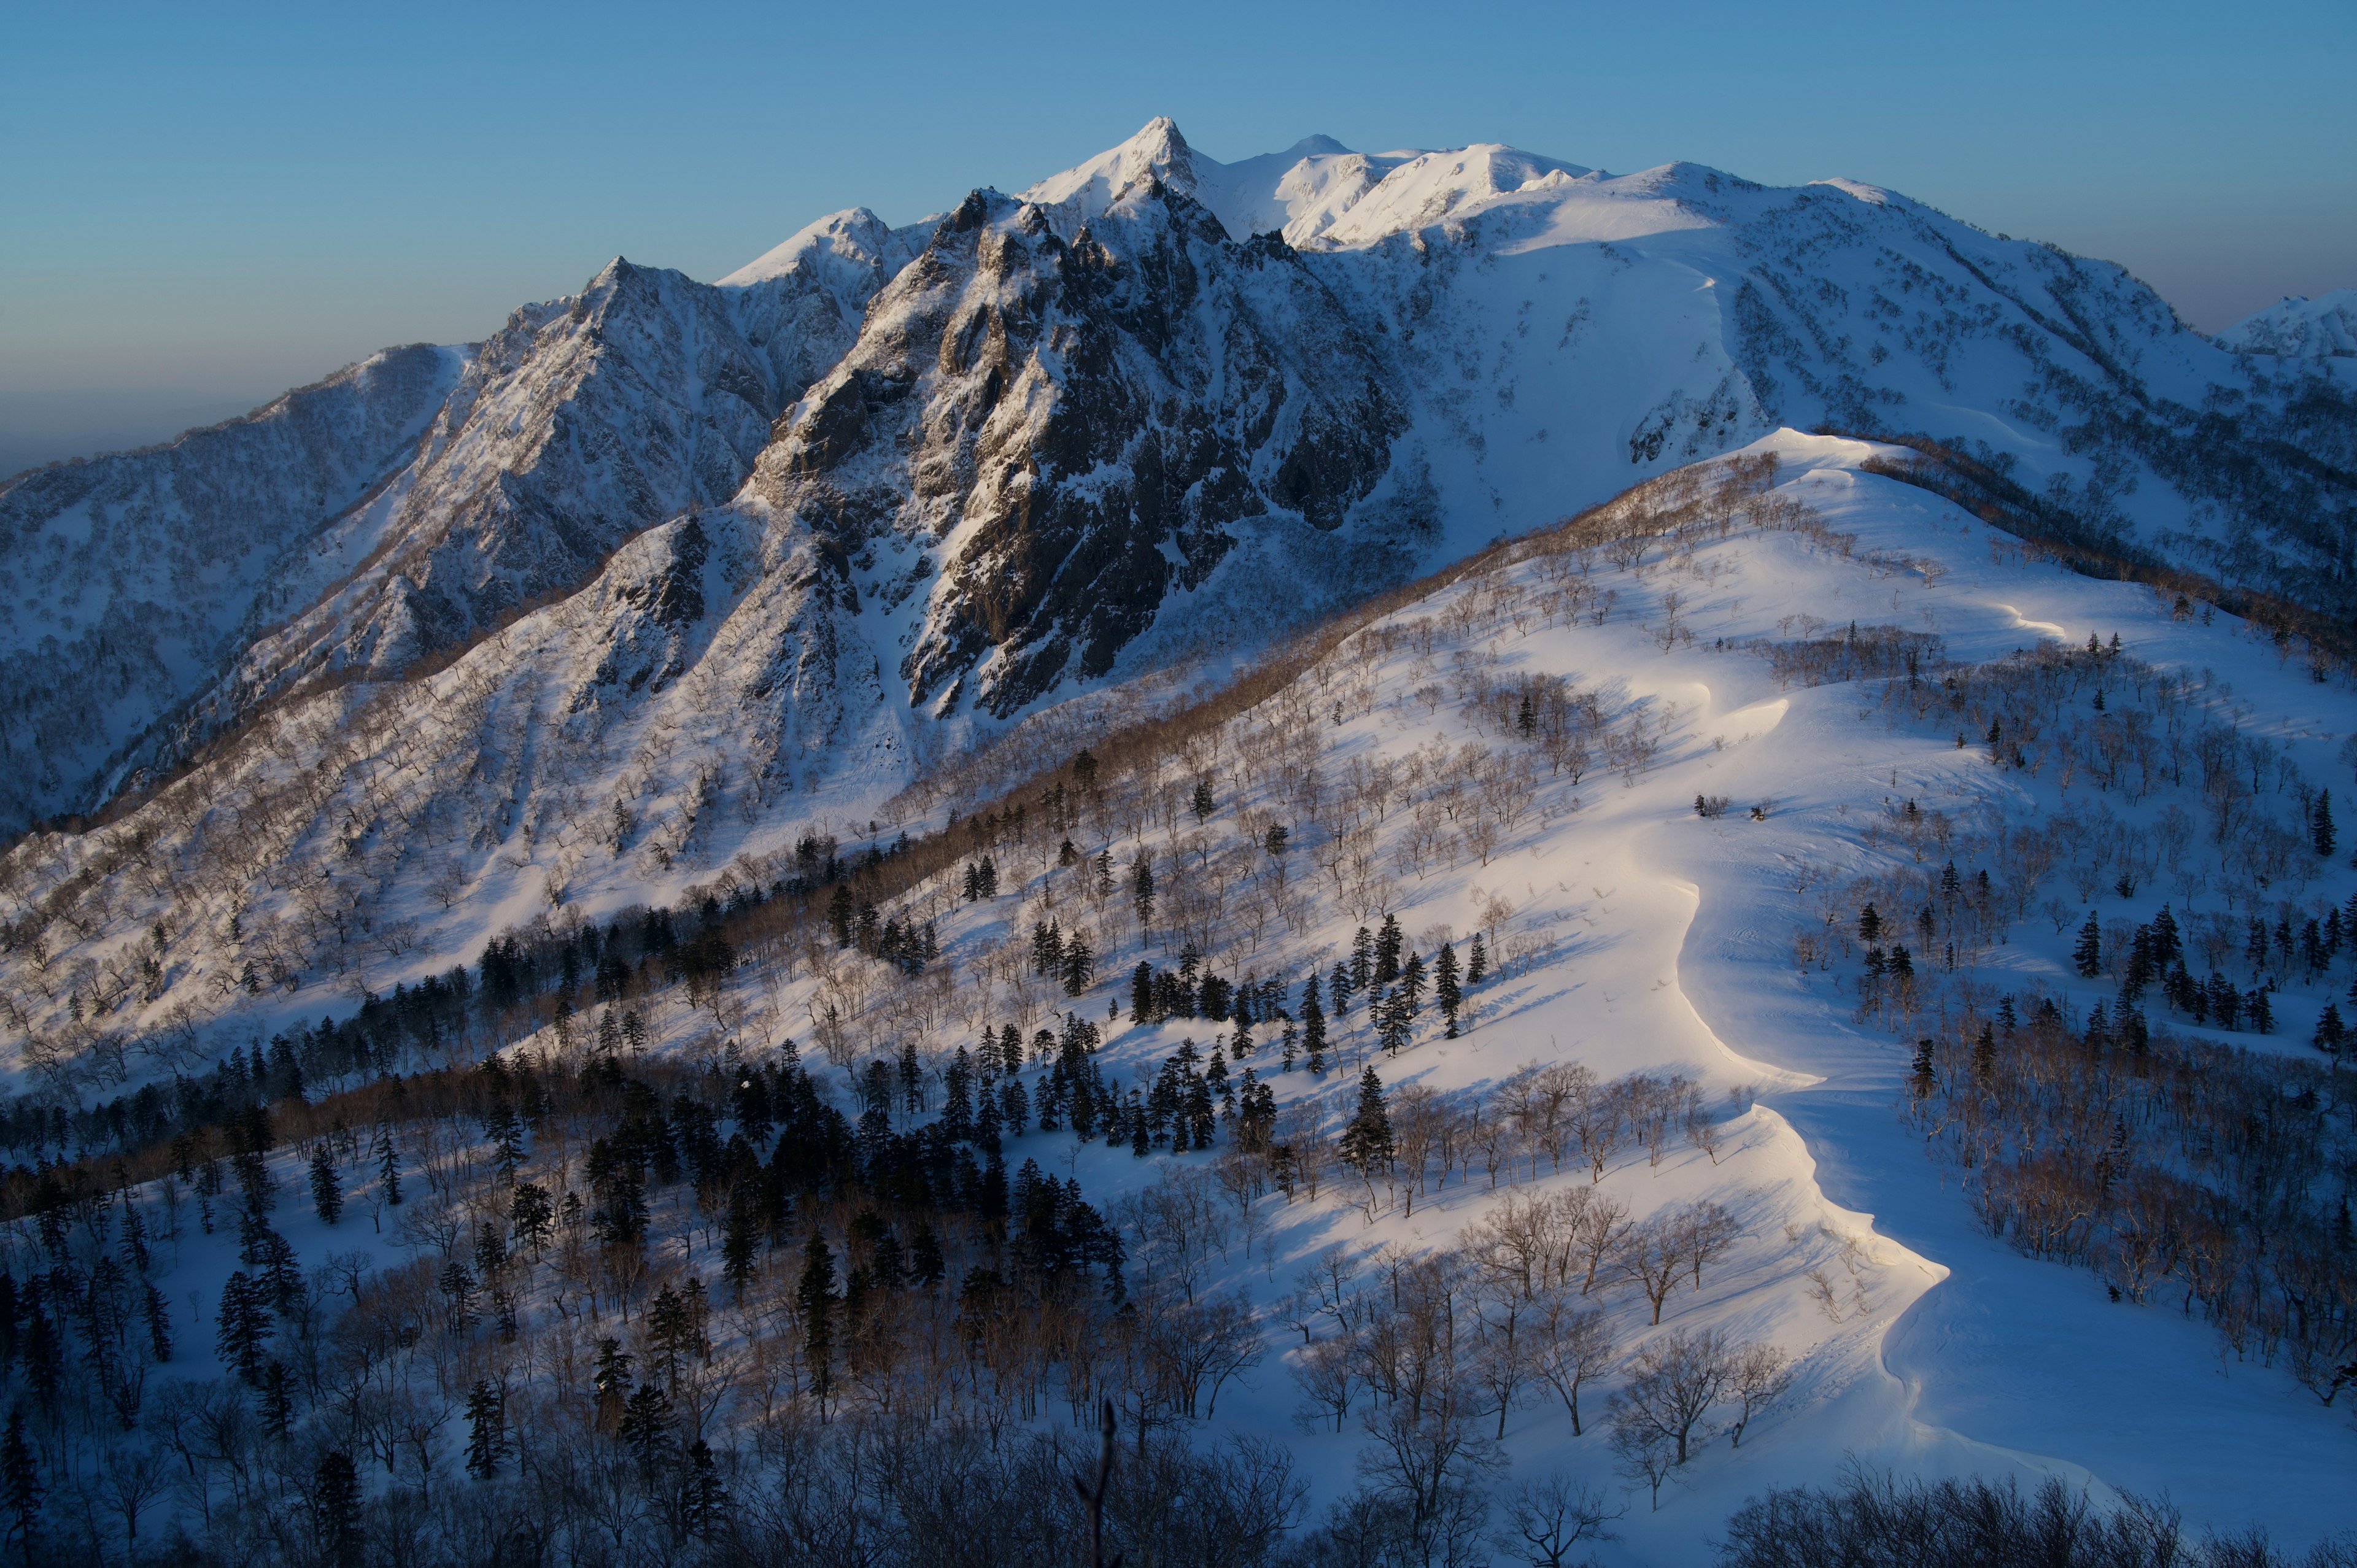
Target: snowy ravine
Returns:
[1630, 934]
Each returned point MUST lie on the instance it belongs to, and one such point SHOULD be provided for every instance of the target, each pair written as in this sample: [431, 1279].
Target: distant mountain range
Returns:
[768, 541]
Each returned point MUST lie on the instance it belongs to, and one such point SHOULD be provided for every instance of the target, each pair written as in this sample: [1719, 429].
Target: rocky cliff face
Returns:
[1059, 437]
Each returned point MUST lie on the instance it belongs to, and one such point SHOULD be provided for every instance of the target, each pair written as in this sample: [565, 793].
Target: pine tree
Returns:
[243, 1321]
[611, 1383]
[336, 1509]
[740, 1251]
[505, 1131]
[646, 1423]
[531, 1213]
[2087, 956]
[388, 1164]
[1204, 804]
[1079, 967]
[2319, 824]
[926, 1266]
[1367, 1142]
[1388, 942]
[276, 1400]
[1869, 925]
[1446, 995]
[814, 1294]
[1141, 888]
[703, 1500]
[327, 1193]
[486, 1429]
[20, 1485]
[1313, 1025]
[1412, 983]
[1477, 963]
[159, 1324]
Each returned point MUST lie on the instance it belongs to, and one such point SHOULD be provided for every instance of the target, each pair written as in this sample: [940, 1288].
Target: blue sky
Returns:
[200, 206]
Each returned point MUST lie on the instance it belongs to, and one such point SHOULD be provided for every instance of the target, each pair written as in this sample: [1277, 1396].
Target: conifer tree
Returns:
[20, 1486]
[243, 1321]
[486, 1430]
[388, 1164]
[2087, 955]
[1922, 1079]
[159, 1324]
[1869, 925]
[1446, 993]
[1203, 805]
[504, 1128]
[1388, 943]
[2319, 824]
[1412, 983]
[1141, 888]
[926, 1266]
[1477, 963]
[327, 1193]
[703, 1500]
[1313, 1025]
[611, 1383]
[276, 1400]
[646, 1423]
[531, 1213]
[2331, 1033]
[739, 1247]
[336, 1509]
[814, 1294]
[1367, 1142]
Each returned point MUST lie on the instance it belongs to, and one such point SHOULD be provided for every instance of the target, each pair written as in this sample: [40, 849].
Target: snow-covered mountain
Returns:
[2298, 327]
[663, 572]
[394, 511]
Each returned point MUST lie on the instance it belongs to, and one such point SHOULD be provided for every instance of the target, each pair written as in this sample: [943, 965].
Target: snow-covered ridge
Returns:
[2298, 327]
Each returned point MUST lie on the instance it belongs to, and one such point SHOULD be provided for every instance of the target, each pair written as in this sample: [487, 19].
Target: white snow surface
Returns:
[1643, 938]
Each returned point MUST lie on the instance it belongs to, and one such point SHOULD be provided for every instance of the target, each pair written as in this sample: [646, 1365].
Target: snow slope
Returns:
[1634, 936]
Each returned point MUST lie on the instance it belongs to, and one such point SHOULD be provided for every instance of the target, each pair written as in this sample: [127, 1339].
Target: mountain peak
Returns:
[854, 235]
[1156, 151]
